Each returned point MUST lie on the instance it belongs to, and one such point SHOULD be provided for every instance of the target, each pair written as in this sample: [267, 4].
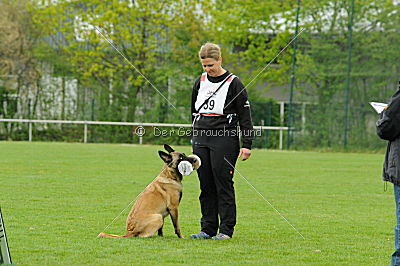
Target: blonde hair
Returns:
[210, 50]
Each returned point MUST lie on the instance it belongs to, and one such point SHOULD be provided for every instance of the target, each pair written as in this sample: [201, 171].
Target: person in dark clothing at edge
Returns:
[388, 128]
[219, 104]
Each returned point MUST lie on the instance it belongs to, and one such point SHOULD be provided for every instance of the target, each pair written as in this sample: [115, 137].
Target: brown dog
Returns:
[159, 199]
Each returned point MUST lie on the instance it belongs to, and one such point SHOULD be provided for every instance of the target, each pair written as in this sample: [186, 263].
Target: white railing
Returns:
[139, 124]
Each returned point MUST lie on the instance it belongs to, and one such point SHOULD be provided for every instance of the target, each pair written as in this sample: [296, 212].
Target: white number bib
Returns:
[216, 103]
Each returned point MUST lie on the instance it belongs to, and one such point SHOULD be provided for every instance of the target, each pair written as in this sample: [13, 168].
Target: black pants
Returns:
[217, 197]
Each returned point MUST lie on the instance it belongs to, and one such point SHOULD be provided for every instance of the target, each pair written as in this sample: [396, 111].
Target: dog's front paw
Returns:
[178, 233]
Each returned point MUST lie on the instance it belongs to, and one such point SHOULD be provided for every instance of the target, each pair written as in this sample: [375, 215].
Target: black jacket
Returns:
[239, 106]
[391, 166]
[388, 128]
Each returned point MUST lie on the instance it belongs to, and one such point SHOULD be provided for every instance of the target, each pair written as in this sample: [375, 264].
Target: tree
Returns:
[138, 30]
[19, 70]
[253, 33]
[322, 67]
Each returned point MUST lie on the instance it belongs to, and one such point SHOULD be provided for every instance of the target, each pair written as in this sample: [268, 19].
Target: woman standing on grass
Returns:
[219, 104]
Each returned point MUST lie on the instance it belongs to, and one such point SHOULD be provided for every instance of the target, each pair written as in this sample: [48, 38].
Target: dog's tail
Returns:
[102, 234]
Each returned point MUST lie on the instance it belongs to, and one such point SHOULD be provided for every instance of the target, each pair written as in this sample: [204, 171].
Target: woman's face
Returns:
[212, 66]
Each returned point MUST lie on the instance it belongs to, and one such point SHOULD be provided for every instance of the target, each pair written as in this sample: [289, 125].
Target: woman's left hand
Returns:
[244, 153]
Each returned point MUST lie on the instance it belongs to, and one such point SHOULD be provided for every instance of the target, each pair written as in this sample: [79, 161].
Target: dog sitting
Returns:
[159, 199]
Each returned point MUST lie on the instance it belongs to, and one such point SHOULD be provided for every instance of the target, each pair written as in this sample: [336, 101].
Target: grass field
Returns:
[57, 197]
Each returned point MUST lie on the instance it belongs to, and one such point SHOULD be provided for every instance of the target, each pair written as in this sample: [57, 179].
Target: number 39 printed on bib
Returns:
[216, 103]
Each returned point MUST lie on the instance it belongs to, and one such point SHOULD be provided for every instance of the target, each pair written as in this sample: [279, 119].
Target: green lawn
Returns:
[56, 198]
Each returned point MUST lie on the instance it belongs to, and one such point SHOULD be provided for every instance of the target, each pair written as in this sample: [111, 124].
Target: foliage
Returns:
[322, 67]
[251, 43]
[135, 30]
[55, 64]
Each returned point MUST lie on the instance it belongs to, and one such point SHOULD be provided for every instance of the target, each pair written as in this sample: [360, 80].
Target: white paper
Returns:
[379, 107]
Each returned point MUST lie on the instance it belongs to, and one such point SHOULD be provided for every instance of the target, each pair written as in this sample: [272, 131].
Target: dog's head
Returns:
[173, 158]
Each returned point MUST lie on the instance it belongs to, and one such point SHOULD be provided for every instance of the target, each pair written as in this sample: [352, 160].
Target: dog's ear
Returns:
[168, 148]
[165, 156]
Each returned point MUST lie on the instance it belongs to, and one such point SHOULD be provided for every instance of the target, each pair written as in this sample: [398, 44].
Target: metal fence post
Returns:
[282, 114]
[303, 118]
[292, 79]
[30, 131]
[348, 75]
[85, 133]
[141, 136]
